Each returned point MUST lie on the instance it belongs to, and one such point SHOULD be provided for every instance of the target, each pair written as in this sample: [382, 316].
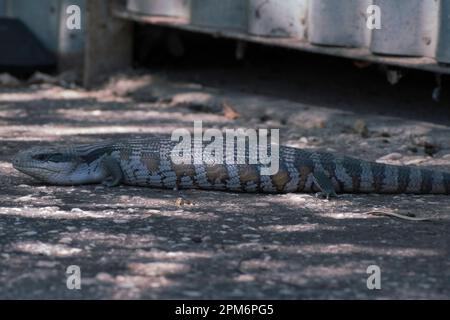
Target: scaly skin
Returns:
[147, 162]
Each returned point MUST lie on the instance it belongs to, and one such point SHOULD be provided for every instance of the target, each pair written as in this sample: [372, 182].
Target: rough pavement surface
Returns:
[147, 243]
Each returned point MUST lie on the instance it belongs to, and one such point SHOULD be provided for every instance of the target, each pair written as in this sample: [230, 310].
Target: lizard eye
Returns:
[58, 157]
[41, 157]
[55, 157]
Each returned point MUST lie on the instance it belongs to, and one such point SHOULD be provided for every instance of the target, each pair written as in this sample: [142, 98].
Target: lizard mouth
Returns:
[26, 169]
[25, 164]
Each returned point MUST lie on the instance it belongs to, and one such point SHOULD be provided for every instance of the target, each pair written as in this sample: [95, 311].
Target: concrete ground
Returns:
[138, 243]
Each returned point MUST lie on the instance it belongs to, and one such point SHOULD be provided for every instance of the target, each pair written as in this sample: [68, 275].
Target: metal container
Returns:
[274, 18]
[339, 23]
[2, 8]
[419, 28]
[443, 45]
[42, 18]
[170, 8]
[47, 20]
[228, 14]
[409, 28]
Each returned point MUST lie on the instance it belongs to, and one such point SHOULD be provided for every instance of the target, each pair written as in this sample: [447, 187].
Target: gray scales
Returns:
[148, 163]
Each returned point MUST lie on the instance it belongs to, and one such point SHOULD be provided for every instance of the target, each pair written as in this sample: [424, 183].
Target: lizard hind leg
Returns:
[324, 184]
[115, 176]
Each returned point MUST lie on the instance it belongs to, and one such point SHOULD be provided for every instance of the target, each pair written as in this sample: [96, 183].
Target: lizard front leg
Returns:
[115, 174]
[323, 182]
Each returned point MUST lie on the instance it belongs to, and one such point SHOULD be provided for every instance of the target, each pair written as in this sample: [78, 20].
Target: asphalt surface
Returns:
[139, 243]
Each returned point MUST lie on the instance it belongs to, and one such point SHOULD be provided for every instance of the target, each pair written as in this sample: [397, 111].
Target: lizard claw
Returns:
[326, 195]
[116, 175]
[110, 182]
[325, 186]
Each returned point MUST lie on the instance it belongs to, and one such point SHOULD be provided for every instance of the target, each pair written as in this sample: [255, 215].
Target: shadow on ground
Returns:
[150, 243]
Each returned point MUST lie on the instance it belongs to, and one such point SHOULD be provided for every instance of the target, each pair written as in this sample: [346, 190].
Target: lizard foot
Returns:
[116, 175]
[325, 185]
[325, 195]
[110, 182]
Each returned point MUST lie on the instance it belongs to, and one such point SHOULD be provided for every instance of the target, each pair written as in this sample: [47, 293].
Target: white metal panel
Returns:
[417, 31]
[171, 8]
[274, 18]
[409, 28]
[339, 23]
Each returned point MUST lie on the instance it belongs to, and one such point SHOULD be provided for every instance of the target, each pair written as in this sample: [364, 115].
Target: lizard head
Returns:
[61, 166]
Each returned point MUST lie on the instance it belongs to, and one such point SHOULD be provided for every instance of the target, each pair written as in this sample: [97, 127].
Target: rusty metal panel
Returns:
[231, 14]
[170, 8]
[338, 23]
[274, 18]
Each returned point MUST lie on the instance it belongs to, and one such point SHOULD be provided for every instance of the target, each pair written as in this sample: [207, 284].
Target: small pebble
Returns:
[391, 156]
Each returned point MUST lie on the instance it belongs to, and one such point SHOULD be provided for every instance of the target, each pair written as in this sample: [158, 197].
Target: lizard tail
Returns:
[384, 178]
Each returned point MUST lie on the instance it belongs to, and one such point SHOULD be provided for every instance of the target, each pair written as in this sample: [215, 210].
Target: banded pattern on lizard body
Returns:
[147, 162]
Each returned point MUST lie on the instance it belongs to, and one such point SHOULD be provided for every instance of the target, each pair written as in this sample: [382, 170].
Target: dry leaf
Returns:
[362, 64]
[229, 112]
[183, 202]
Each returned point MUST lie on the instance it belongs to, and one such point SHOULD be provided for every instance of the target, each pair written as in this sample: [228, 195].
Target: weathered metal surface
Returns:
[70, 41]
[443, 45]
[21, 53]
[338, 23]
[47, 20]
[2, 8]
[171, 8]
[409, 28]
[230, 14]
[108, 42]
[274, 18]
[413, 34]
[360, 53]
[42, 17]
